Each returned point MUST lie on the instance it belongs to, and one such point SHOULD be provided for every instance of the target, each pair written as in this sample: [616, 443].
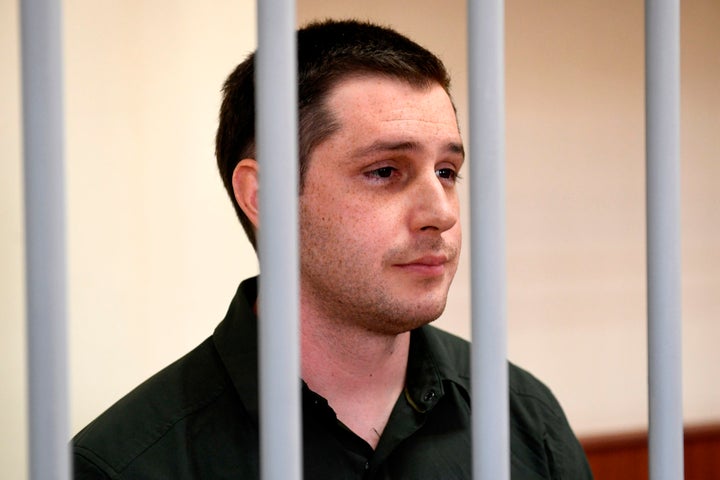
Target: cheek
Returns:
[322, 222]
[341, 230]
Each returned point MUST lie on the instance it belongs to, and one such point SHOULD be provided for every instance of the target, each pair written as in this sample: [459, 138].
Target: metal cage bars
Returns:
[45, 241]
[662, 144]
[486, 71]
[278, 297]
[43, 133]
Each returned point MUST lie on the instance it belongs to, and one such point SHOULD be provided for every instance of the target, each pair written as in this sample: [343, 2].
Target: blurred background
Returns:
[155, 252]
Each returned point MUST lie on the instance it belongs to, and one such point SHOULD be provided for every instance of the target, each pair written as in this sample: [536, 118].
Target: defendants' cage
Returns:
[43, 132]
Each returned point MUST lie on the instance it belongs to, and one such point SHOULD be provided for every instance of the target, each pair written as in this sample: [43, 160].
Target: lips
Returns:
[429, 265]
[429, 260]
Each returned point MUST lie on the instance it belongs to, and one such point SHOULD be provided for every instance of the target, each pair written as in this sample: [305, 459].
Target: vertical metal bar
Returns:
[662, 86]
[491, 437]
[276, 86]
[44, 177]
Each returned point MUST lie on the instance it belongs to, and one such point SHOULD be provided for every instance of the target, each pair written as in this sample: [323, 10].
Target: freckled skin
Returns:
[367, 214]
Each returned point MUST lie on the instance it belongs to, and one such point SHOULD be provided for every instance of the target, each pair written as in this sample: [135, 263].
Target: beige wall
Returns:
[12, 309]
[155, 252]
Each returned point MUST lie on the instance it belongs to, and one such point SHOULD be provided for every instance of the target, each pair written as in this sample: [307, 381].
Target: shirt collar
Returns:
[431, 364]
[431, 361]
[236, 341]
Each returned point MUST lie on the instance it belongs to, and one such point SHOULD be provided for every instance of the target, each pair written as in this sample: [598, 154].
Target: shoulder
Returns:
[151, 411]
[542, 443]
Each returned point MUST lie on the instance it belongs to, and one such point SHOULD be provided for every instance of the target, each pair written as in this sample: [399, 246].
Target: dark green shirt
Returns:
[198, 418]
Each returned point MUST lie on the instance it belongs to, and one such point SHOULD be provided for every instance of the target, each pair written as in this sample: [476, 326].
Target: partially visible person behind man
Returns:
[385, 395]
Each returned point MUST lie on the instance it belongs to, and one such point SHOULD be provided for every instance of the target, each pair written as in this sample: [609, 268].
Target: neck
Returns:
[360, 373]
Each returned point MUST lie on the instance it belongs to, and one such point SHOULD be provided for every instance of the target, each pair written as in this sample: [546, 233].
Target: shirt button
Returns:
[429, 396]
[367, 465]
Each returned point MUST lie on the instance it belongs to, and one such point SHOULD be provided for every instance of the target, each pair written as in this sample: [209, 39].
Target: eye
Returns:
[382, 172]
[447, 174]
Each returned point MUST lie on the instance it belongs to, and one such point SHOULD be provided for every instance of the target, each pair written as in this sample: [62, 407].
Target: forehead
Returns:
[368, 109]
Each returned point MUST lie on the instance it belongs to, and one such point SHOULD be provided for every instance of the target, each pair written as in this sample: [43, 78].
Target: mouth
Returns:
[427, 265]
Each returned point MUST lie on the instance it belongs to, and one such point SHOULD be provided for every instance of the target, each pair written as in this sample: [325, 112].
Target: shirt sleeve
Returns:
[543, 444]
[567, 459]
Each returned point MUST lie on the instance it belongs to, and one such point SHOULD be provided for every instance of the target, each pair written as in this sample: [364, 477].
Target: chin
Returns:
[399, 310]
[423, 315]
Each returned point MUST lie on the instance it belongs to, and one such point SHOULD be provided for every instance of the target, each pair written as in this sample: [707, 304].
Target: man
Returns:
[385, 395]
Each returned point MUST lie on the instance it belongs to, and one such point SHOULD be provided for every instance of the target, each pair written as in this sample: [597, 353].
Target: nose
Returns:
[434, 204]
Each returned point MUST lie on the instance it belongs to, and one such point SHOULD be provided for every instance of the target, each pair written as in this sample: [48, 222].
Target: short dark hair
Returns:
[328, 52]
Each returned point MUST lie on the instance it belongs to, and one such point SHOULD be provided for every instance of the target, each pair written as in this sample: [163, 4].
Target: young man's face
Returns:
[379, 213]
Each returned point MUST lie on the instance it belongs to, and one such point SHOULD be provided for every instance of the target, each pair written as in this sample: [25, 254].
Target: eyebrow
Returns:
[381, 146]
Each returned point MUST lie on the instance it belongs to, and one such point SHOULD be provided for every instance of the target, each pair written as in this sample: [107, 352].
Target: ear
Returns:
[245, 188]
